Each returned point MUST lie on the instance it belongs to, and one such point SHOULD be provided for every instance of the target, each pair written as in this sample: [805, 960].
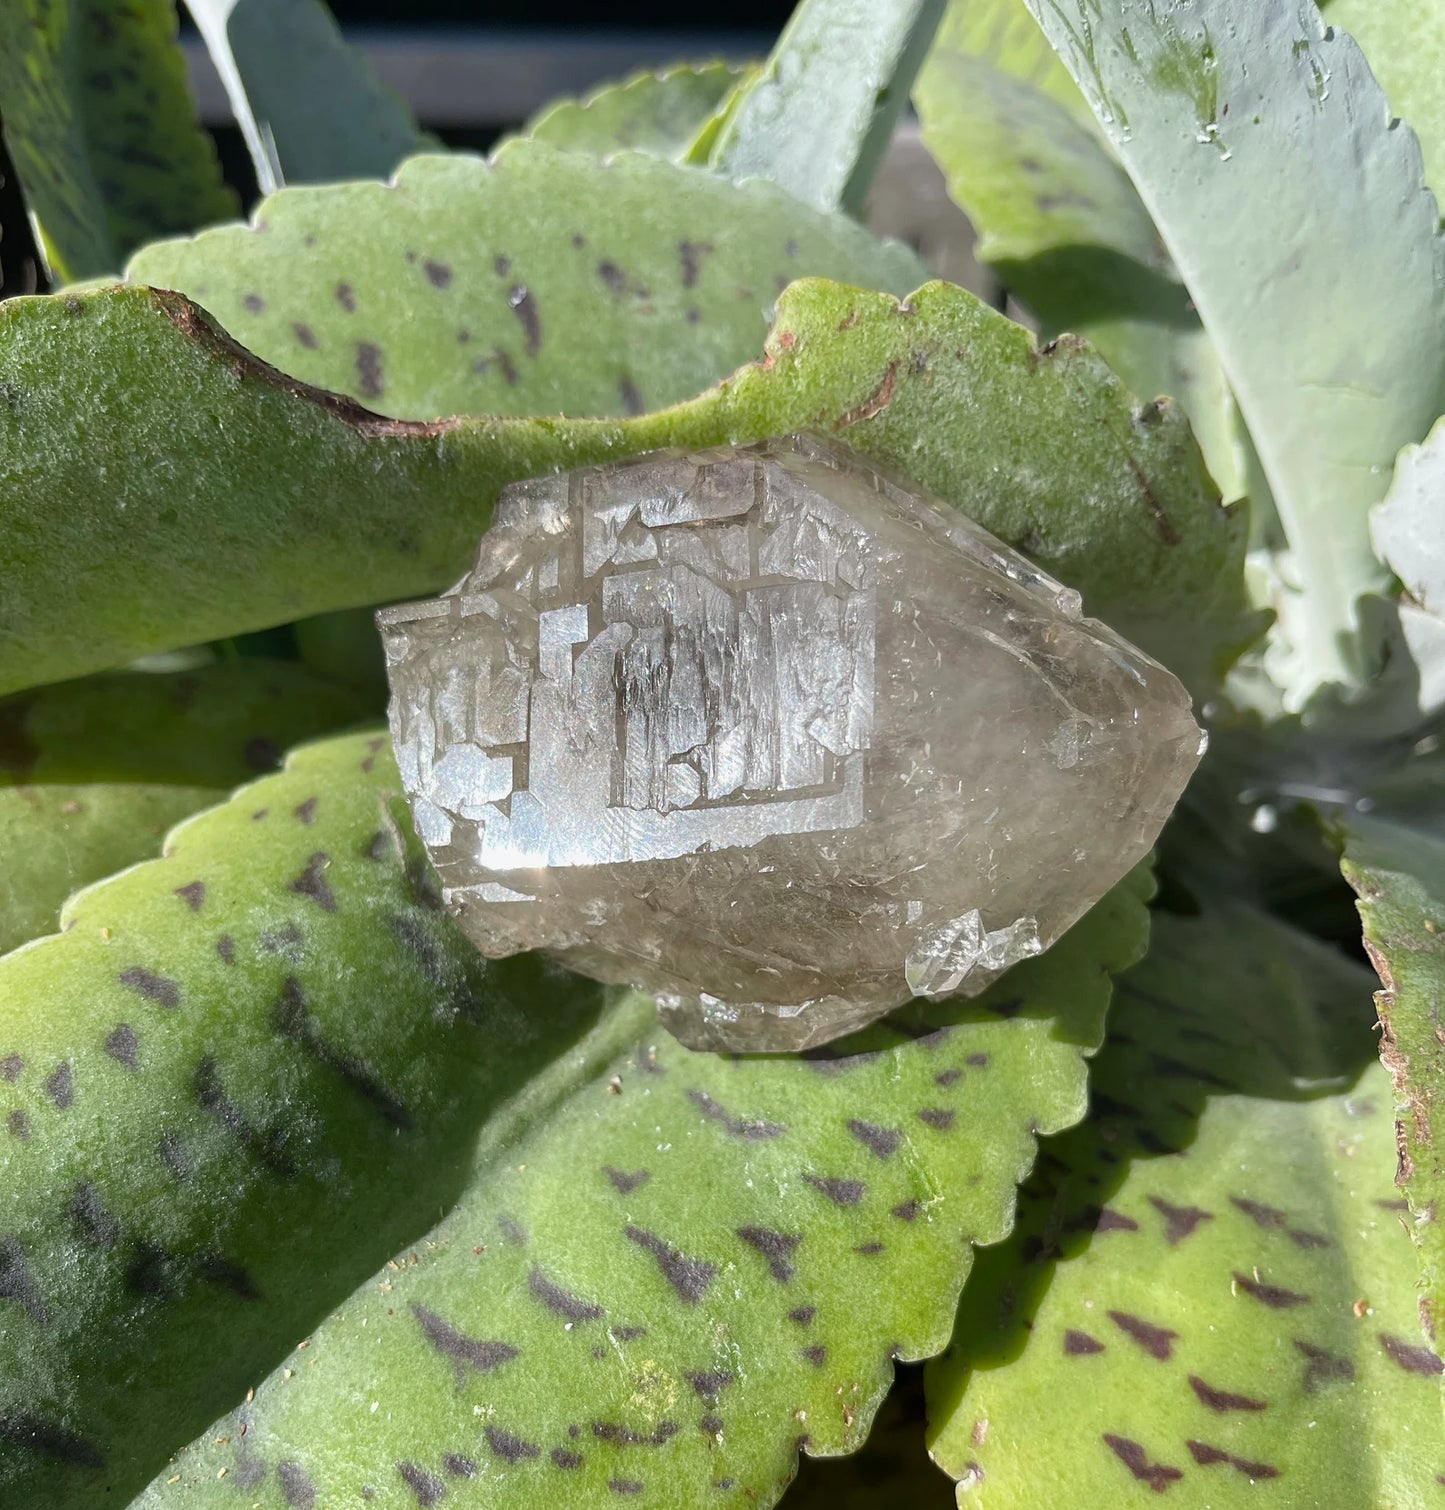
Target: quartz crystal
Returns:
[773, 737]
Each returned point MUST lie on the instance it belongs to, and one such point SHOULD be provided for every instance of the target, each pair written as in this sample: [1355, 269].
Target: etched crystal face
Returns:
[773, 737]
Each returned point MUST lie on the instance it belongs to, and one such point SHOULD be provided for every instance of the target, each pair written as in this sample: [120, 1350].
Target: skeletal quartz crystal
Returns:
[773, 737]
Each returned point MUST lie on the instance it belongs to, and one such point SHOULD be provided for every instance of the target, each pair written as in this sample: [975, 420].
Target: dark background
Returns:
[564, 21]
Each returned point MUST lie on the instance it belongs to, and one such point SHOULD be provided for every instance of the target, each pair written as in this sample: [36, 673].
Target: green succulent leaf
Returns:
[1407, 525]
[818, 118]
[1399, 876]
[243, 1077]
[518, 285]
[1298, 216]
[1210, 1271]
[659, 113]
[1058, 218]
[891, 1468]
[249, 500]
[102, 130]
[1405, 45]
[93, 773]
[308, 105]
[680, 1267]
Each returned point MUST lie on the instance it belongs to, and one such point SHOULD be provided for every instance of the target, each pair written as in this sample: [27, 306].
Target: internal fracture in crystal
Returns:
[773, 737]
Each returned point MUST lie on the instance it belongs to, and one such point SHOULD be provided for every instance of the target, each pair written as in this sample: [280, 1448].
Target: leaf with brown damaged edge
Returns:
[1399, 876]
[518, 283]
[638, 1289]
[1211, 1270]
[234, 497]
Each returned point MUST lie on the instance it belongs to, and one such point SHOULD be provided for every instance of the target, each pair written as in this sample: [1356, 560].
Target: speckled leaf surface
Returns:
[1211, 1271]
[521, 285]
[1404, 43]
[245, 1076]
[308, 104]
[1399, 876]
[689, 1267]
[232, 499]
[93, 773]
[1220, 105]
[892, 1468]
[660, 113]
[818, 117]
[1058, 218]
[102, 129]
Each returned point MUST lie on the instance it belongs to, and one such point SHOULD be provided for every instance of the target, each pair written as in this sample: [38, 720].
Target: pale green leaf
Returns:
[1409, 526]
[1399, 875]
[1404, 42]
[818, 118]
[673, 1269]
[308, 105]
[249, 500]
[102, 130]
[661, 113]
[1207, 1299]
[1058, 218]
[245, 1075]
[1297, 215]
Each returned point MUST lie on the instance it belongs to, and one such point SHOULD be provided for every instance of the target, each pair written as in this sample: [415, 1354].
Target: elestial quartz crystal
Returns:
[774, 737]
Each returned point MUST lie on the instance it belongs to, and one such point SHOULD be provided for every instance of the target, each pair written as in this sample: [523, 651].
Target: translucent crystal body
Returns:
[773, 737]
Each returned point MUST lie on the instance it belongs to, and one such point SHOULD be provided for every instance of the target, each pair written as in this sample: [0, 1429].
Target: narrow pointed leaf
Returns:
[102, 130]
[659, 113]
[93, 773]
[1058, 218]
[1297, 214]
[308, 105]
[518, 285]
[688, 1267]
[818, 118]
[244, 1077]
[1399, 876]
[1207, 1300]
[250, 499]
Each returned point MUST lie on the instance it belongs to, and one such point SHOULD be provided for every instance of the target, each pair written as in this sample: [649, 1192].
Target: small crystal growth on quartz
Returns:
[773, 737]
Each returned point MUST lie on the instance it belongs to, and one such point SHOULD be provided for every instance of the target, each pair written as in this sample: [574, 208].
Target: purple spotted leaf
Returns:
[102, 130]
[661, 113]
[93, 773]
[251, 500]
[1212, 1270]
[671, 1270]
[519, 284]
[243, 1077]
[1398, 873]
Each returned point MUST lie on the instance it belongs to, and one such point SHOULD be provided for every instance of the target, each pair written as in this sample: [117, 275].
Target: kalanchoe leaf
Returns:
[671, 1269]
[660, 113]
[93, 773]
[308, 105]
[102, 130]
[817, 119]
[1266, 153]
[1405, 46]
[891, 1468]
[518, 285]
[1211, 1271]
[227, 528]
[287, 1052]
[1407, 525]
[1399, 875]
[1059, 220]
